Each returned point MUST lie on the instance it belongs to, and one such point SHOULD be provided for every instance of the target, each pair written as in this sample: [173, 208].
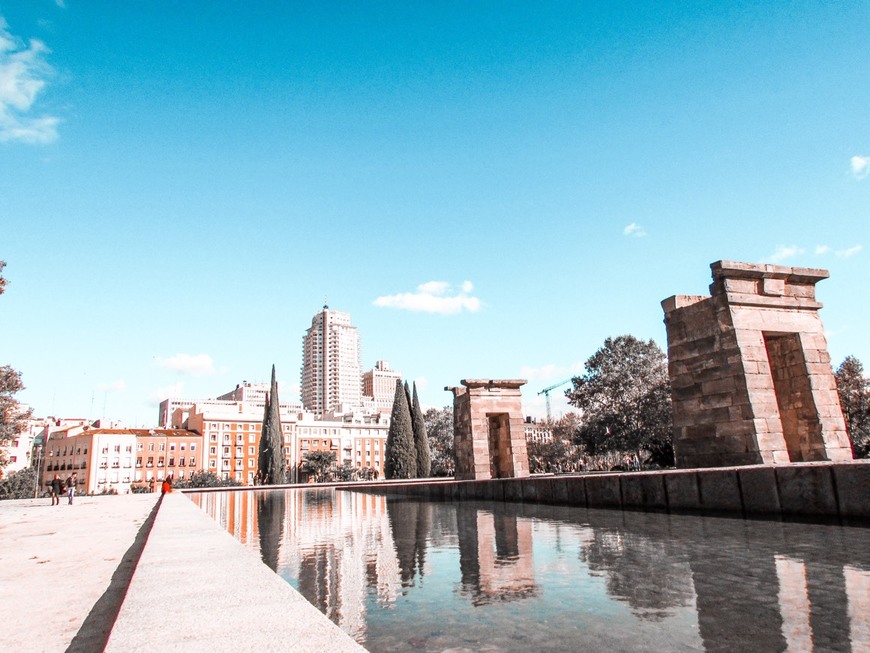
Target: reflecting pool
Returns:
[409, 575]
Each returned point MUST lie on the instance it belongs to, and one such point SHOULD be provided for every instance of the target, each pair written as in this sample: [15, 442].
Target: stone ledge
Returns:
[198, 589]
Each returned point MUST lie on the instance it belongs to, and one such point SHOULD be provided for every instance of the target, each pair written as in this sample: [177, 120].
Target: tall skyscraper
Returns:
[331, 363]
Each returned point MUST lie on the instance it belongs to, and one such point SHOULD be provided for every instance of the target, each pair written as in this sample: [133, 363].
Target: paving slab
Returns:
[57, 565]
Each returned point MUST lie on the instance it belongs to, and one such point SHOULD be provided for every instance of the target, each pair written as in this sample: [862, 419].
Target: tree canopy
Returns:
[854, 390]
[421, 441]
[270, 467]
[319, 463]
[439, 432]
[400, 457]
[13, 420]
[625, 400]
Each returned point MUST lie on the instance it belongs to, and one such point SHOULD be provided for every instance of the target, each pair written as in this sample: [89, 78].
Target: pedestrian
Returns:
[166, 486]
[56, 489]
[71, 487]
[151, 485]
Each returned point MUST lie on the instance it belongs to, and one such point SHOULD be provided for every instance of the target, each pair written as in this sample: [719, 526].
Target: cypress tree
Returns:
[400, 457]
[271, 461]
[421, 440]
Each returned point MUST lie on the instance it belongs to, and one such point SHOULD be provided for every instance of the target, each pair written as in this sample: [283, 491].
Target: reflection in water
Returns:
[270, 520]
[404, 574]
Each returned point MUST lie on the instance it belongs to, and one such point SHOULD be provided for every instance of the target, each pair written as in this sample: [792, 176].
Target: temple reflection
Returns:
[496, 560]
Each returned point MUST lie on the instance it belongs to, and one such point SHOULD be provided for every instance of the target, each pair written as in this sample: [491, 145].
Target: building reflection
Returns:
[495, 555]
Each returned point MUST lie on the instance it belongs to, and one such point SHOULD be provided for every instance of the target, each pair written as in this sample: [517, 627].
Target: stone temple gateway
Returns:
[750, 373]
[489, 438]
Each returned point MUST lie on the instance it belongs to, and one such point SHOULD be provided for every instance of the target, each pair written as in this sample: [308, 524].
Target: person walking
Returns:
[56, 489]
[166, 486]
[71, 487]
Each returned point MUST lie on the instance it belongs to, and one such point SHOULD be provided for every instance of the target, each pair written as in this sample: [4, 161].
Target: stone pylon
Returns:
[489, 437]
[750, 373]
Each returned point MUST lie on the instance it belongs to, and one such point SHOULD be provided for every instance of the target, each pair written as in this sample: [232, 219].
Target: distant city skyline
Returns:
[491, 190]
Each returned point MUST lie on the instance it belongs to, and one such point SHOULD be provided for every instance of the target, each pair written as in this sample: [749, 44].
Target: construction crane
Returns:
[546, 393]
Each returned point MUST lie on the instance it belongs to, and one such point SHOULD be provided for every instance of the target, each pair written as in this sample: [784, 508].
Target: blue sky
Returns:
[490, 189]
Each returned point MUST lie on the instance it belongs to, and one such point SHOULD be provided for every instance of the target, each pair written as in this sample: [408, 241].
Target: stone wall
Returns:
[751, 379]
[821, 492]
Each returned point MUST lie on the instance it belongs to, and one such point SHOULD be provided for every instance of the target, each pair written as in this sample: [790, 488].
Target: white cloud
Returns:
[114, 386]
[822, 249]
[784, 252]
[849, 251]
[635, 230]
[198, 365]
[433, 297]
[860, 166]
[23, 71]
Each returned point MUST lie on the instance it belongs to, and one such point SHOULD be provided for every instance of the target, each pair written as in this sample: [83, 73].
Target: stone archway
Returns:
[489, 437]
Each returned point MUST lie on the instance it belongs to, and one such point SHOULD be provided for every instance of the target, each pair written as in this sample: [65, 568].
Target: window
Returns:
[181, 462]
[226, 452]
[150, 446]
[138, 446]
[250, 462]
[250, 451]
[162, 446]
[172, 447]
[212, 463]
[171, 461]
[117, 450]
[213, 437]
[183, 446]
[193, 461]
[252, 437]
[212, 450]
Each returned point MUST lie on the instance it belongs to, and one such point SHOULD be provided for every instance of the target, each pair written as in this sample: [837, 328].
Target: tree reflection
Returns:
[410, 522]
[649, 575]
[270, 521]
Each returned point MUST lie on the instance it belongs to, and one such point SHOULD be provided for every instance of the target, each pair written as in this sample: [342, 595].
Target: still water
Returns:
[409, 575]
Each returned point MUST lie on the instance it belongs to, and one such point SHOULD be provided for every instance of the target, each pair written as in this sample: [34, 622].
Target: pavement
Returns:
[137, 573]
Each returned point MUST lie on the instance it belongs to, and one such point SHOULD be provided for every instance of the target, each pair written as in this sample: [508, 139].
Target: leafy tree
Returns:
[13, 419]
[421, 441]
[271, 460]
[19, 485]
[624, 397]
[439, 429]
[400, 457]
[559, 453]
[204, 479]
[319, 463]
[854, 390]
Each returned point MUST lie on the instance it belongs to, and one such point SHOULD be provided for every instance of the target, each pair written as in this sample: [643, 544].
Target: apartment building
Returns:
[231, 439]
[331, 365]
[379, 385]
[112, 460]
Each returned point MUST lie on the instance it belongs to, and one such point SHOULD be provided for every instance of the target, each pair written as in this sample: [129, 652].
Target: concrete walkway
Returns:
[130, 573]
[57, 565]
